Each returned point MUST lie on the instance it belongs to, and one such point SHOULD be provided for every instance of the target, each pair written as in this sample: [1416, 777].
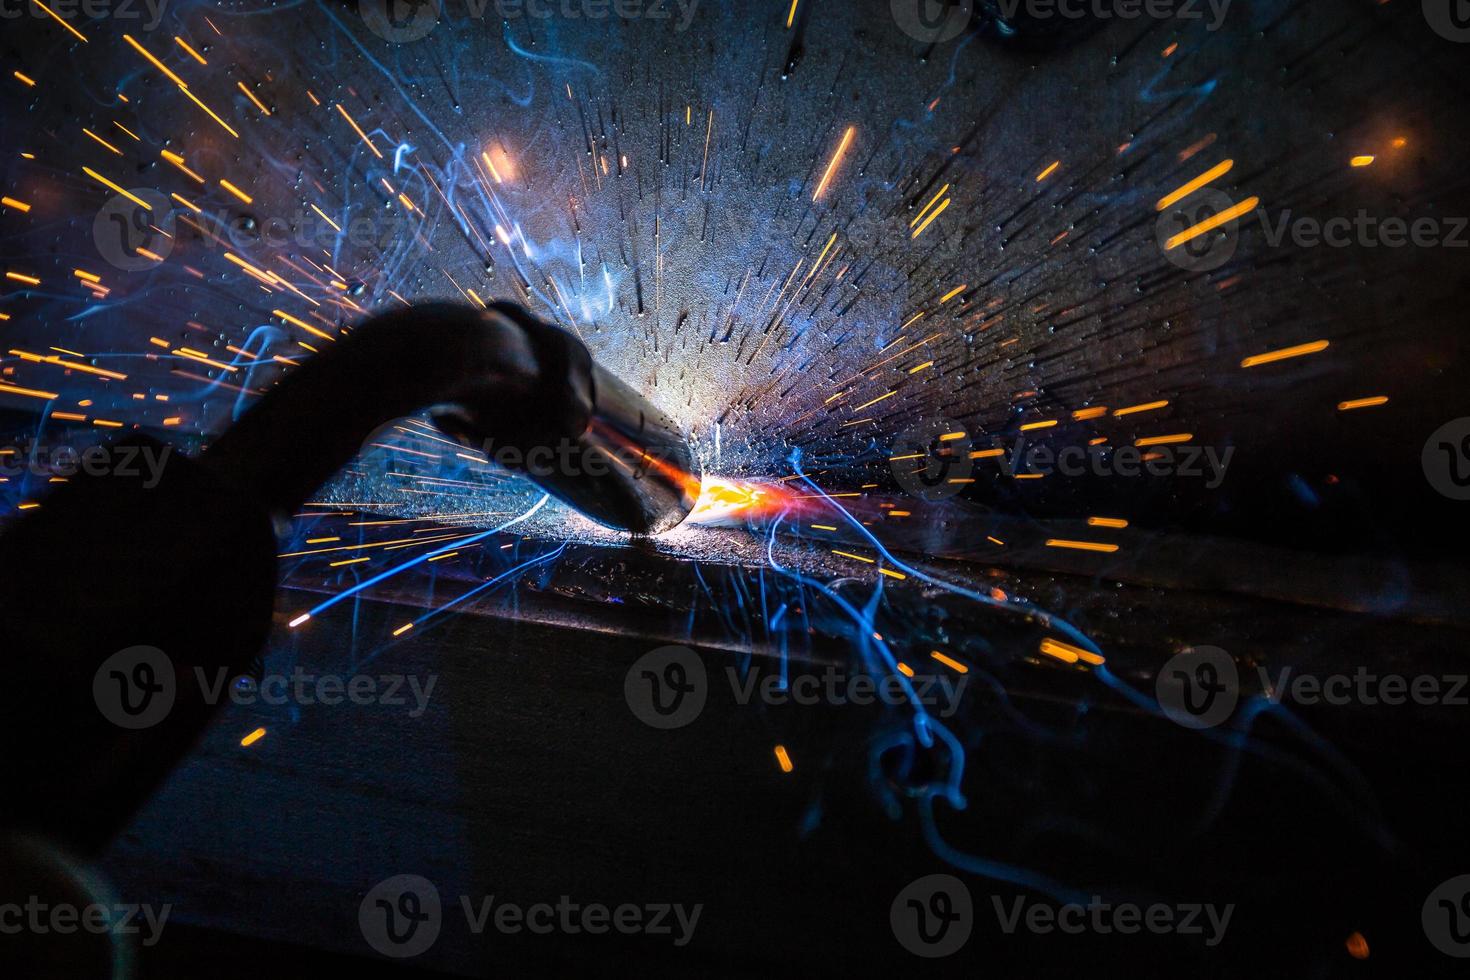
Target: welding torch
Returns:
[188, 566]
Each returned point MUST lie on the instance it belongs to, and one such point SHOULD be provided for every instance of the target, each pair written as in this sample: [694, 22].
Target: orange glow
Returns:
[949, 662]
[52, 14]
[722, 500]
[1209, 176]
[1272, 357]
[842, 148]
[1068, 654]
[1081, 545]
[502, 167]
[1357, 403]
[1211, 223]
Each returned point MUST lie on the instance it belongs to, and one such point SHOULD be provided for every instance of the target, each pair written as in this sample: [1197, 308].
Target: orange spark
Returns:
[842, 148]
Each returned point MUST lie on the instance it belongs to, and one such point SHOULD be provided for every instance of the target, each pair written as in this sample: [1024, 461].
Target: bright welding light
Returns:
[734, 502]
